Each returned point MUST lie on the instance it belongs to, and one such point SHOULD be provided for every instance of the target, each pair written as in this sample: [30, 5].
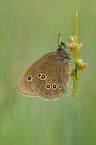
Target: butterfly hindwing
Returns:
[51, 78]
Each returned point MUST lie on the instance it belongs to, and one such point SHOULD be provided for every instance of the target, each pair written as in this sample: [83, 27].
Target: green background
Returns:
[28, 30]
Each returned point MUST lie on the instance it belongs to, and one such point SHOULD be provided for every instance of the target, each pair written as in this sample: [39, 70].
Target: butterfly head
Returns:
[61, 46]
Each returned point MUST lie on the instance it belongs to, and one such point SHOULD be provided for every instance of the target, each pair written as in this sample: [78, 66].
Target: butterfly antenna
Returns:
[59, 39]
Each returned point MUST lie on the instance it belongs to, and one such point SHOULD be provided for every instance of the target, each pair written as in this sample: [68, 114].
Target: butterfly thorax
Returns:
[62, 52]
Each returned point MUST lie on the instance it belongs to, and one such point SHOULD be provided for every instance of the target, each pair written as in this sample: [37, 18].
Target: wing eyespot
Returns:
[48, 86]
[43, 77]
[29, 78]
[59, 86]
[54, 86]
[39, 75]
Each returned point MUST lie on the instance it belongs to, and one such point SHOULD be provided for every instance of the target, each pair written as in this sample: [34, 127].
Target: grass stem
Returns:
[76, 81]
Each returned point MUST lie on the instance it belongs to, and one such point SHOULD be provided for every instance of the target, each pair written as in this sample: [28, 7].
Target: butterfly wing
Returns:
[51, 78]
[23, 85]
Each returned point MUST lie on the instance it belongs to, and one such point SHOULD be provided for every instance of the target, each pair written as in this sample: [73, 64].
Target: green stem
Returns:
[76, 81]
[76, 106]
[77, 24]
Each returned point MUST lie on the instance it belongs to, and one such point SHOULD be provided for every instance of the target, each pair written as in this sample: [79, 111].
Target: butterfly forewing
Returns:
[23, 85]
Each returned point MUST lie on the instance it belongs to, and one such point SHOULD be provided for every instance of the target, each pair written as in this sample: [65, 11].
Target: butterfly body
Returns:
[46, 77]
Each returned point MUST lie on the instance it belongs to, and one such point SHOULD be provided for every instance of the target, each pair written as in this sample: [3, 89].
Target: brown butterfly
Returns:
[47, 76]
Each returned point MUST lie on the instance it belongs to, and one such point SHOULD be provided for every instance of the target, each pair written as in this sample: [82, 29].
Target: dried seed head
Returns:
[74, 47]
[80, 67]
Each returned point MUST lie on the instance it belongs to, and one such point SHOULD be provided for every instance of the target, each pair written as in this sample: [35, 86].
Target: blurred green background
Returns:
[28, 30]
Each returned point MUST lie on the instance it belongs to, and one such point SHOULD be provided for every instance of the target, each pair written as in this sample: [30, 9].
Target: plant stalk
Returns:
[76, 81]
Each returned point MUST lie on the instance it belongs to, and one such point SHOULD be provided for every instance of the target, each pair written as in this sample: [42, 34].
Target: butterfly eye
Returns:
[48, 86]
[29, 78]
[59, 86]
[43, 77]
[39, 75]
[54, 86]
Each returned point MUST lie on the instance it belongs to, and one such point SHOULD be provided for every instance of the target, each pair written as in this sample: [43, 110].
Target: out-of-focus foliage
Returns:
[29, 29]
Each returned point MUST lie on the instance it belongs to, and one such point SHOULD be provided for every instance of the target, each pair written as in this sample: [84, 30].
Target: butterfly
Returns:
[48, 76]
